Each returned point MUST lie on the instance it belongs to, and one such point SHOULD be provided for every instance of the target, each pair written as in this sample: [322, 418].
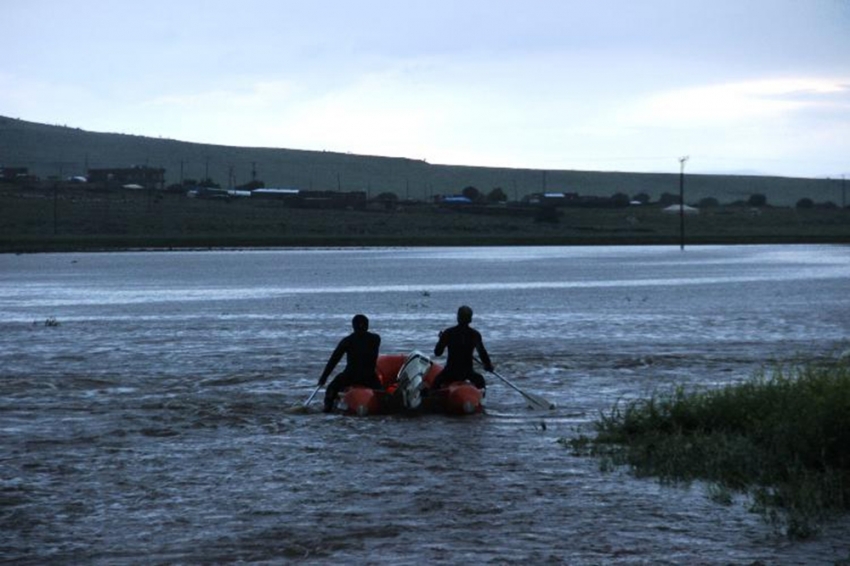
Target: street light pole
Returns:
[682, 161]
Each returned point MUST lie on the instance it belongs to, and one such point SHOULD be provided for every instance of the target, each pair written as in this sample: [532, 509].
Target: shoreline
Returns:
[148, 244]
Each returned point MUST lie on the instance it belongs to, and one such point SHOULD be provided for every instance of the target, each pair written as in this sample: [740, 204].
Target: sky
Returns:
[737, 86]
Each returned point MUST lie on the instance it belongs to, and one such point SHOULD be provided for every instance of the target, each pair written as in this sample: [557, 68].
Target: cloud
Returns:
[258, 95]
[737, 103]
[398, 110]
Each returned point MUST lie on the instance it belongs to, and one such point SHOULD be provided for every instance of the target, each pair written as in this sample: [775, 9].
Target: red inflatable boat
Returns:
[407, 381]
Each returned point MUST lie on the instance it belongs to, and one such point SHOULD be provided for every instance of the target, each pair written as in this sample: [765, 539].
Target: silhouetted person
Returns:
[462, 341]
[361, 354]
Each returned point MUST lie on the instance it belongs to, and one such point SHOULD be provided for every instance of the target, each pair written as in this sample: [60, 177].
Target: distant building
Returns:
[571, 200]
[13, 174]
[275, 193]
[680, 209]
[209, 193]
[455, 200]
[552, 199]
[139, 175]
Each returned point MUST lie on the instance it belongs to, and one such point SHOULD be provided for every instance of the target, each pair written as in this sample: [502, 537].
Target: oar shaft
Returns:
[313, 394]
[533, 398]
[508, 383]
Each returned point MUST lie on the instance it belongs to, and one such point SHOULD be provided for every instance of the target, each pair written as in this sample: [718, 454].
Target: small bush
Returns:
[757, 200]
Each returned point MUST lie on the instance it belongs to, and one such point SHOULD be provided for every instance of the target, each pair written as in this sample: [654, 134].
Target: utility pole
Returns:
[682, 161]
[56, 201]
[56, 207]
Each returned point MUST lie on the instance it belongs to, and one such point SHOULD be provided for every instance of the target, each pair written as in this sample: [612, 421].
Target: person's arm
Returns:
[376, 353]
[482, 353]
[336, 356]
[441, 344]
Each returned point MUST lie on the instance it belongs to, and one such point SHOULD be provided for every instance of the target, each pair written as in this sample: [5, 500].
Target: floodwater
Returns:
[151, 403]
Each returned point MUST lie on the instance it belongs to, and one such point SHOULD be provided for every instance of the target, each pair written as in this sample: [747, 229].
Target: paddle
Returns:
[536, 401]
[313, 394]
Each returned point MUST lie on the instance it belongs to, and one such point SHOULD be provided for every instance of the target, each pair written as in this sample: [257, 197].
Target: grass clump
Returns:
[783, 439]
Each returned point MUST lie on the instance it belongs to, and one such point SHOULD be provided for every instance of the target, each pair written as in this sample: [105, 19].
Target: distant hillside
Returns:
[61, 151]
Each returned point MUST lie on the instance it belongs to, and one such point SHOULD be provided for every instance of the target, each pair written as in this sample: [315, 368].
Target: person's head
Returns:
[464, 315]
[360, 322]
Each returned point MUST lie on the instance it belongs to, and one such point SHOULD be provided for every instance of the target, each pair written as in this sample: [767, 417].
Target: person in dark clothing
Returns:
[360, 349]
[462, 342]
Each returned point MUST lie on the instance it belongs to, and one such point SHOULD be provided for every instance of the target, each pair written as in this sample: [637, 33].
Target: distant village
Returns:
[153, 179]
[471, 199]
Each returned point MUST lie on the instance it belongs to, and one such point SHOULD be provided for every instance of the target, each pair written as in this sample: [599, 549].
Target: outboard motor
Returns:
[411, 378]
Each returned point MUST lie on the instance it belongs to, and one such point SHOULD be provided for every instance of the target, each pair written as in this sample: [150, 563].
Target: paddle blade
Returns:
[535, 401]
[538, 402]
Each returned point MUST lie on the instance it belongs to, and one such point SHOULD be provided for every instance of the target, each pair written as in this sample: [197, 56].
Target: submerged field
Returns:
[79, 219]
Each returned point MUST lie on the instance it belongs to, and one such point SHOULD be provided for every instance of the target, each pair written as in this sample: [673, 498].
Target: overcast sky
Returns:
[743, 86]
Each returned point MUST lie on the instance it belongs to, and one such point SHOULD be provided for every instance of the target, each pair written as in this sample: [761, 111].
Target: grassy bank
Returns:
[781, 438]
[76, 218]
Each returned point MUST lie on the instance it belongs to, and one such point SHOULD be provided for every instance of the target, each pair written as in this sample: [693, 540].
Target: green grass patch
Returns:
[782, 438]
[76, 218]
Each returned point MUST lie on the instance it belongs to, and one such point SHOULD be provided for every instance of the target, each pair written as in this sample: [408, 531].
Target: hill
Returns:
[58, 151]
